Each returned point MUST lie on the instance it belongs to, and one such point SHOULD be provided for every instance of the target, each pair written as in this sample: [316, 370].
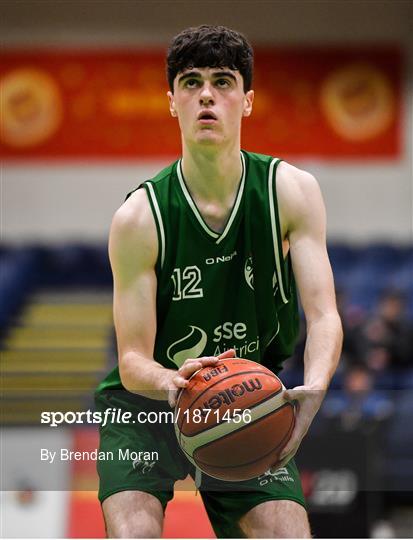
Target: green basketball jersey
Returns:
[225, 290]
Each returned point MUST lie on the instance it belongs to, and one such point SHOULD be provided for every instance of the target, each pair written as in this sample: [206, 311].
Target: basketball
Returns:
[232, 420]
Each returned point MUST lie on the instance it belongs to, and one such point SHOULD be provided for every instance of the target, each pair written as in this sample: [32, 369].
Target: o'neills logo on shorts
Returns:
[229, 395]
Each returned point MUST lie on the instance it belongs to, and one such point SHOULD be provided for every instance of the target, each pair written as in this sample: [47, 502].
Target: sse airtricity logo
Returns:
[190, 346]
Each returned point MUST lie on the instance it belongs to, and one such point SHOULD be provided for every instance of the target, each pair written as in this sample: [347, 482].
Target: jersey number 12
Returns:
[186, 283]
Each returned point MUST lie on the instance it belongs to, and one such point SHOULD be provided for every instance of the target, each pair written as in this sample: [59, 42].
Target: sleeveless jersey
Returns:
[217, 291]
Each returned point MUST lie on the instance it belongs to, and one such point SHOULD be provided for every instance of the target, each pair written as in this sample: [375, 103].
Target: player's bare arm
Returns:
[303, 219]
[133, 250]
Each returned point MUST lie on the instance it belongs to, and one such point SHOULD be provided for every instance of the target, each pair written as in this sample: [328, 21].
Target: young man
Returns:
[204, 258]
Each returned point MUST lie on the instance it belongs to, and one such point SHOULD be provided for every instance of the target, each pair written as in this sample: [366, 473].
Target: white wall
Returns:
[51, 203]
[72, 202]
[47, 202]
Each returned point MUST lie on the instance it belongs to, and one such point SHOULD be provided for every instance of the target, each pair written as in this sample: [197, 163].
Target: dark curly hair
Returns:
[210, 46]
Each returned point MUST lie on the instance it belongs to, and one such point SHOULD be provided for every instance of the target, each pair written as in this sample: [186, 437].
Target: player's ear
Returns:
[172, 109]
[249, 98]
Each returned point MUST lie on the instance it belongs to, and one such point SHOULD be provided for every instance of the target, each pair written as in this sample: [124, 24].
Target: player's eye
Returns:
[223, 83]
[191, 83]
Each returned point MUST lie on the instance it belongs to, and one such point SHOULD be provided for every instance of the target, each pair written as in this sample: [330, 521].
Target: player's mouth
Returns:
[207, 117]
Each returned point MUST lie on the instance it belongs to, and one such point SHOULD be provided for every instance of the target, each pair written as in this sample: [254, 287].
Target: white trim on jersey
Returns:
[192, 204]
[159, 219]
[237, 202]
[274, 336]
[219, 237]
[274, 229]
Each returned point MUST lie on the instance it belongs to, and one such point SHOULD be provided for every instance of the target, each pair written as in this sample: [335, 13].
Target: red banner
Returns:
[320, 101]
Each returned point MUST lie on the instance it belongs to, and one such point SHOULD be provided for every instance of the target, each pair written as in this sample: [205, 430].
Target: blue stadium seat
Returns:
[373, 270]
[342, 259]
[19, 273]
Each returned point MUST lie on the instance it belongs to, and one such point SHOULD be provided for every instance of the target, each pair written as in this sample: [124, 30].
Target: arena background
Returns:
[337, 81]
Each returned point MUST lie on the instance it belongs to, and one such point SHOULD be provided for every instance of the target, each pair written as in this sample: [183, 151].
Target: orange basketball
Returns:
[232, 421]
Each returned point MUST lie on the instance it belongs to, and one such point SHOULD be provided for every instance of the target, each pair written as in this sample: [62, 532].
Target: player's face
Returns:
[209, 104]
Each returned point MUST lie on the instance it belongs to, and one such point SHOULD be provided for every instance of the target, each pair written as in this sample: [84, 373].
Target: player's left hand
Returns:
[308, 401]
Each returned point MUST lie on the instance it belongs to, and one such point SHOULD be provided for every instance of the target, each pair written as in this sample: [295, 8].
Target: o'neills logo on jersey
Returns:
[190, 346]
[229, 395]
[221, 259]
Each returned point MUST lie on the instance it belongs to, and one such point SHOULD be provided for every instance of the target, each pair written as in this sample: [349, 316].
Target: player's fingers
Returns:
[203, 361]
[189, 369]
[180, 381]
[190, 362]
[190, 366]
[292, 445]
[284, 458]
[297, 393]
[280, 464]
[208, 360]
[294, 441]
[230, 353]
[172, 396]
[275, 467]
[288, 450]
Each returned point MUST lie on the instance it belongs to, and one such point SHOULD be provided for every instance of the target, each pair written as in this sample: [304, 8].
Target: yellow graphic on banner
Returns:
[358, 102]
[31, 107]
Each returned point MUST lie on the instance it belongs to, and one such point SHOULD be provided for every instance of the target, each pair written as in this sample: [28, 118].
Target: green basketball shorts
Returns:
[144, 455]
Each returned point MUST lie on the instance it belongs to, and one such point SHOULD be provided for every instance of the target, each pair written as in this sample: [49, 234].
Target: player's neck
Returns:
[211, 174]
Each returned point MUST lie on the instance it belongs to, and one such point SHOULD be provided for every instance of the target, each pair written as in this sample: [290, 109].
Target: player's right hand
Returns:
[180, 378]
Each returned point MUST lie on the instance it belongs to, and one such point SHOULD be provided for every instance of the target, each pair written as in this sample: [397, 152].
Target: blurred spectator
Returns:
[376, 358]
[386, 338]
[352, 319]
[358, 400]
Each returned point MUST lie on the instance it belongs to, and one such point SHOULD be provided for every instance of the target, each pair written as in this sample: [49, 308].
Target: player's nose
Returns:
[206, 96]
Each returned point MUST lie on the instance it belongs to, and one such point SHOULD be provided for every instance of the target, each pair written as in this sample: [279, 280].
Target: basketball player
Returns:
[204, 258]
